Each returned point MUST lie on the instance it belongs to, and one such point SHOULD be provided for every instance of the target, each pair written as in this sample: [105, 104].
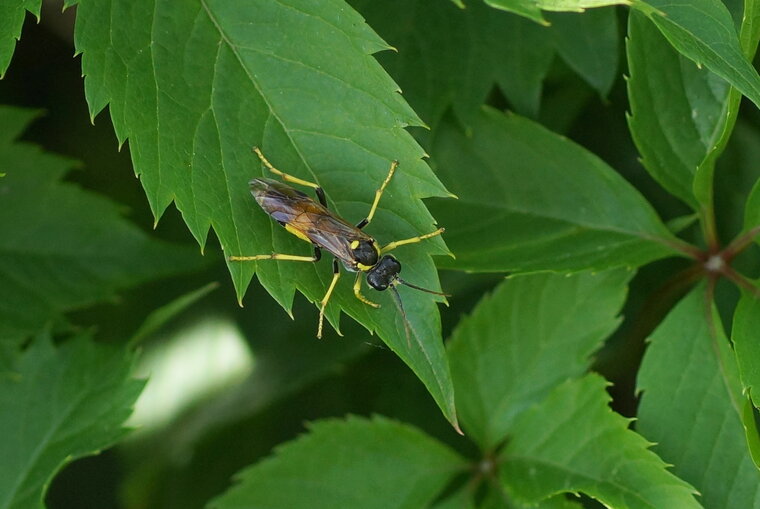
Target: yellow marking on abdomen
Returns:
[298, 233]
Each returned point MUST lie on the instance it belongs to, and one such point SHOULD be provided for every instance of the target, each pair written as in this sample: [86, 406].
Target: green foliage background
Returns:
[602, 159]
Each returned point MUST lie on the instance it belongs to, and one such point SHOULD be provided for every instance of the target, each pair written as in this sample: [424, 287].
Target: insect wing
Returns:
[335, 235]
[310, 219]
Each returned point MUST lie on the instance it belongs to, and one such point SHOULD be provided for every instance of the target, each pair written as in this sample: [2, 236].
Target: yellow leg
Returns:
[358, 292]
[274, 256]
[394, 245]
[364, 222]
[285, 176]
[323, 304]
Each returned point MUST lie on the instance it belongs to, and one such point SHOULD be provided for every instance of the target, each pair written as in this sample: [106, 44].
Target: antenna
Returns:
[397, 299]
[410, 285]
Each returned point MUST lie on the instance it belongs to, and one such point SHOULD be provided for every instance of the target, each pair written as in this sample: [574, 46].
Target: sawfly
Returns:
[312, 222]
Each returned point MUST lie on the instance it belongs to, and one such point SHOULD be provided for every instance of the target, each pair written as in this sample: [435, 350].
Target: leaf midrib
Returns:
[272, 112]
[257, 86]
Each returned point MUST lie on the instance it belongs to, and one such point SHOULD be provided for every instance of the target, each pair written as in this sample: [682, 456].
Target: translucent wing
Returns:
[306, 218]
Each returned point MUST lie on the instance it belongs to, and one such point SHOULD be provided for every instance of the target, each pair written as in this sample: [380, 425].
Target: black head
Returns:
[382, 275]
[365, 253]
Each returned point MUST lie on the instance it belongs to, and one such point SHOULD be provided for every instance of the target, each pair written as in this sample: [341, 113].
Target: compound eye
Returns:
[364, 252]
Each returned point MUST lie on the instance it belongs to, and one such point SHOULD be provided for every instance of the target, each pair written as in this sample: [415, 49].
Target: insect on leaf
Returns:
[195, 85]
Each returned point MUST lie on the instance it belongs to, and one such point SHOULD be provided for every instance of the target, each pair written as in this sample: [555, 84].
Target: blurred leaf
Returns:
[745, 336]
[692, 404]
[472, 49]
[193, 85]
[242, 423]
[166, 313]
[352, 463]
[532, 200]
[588, 42]
[277, 372]
[60, 403]
[528, 336]
[61, 247]
[12, 14]
[676, 108]
[574, 442]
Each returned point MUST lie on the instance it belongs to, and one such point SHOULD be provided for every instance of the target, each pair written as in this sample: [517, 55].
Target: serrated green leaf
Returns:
[703, 31]
[358, 462]
[745, 336]
[703, 185]
[61, 247]
[588, 42]
[676, 108]
[520, 342]
[692, 404]
[574, 442]
[471, 48]
[533, 200]
[59, 403]
[194, 85]
[12, 13]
